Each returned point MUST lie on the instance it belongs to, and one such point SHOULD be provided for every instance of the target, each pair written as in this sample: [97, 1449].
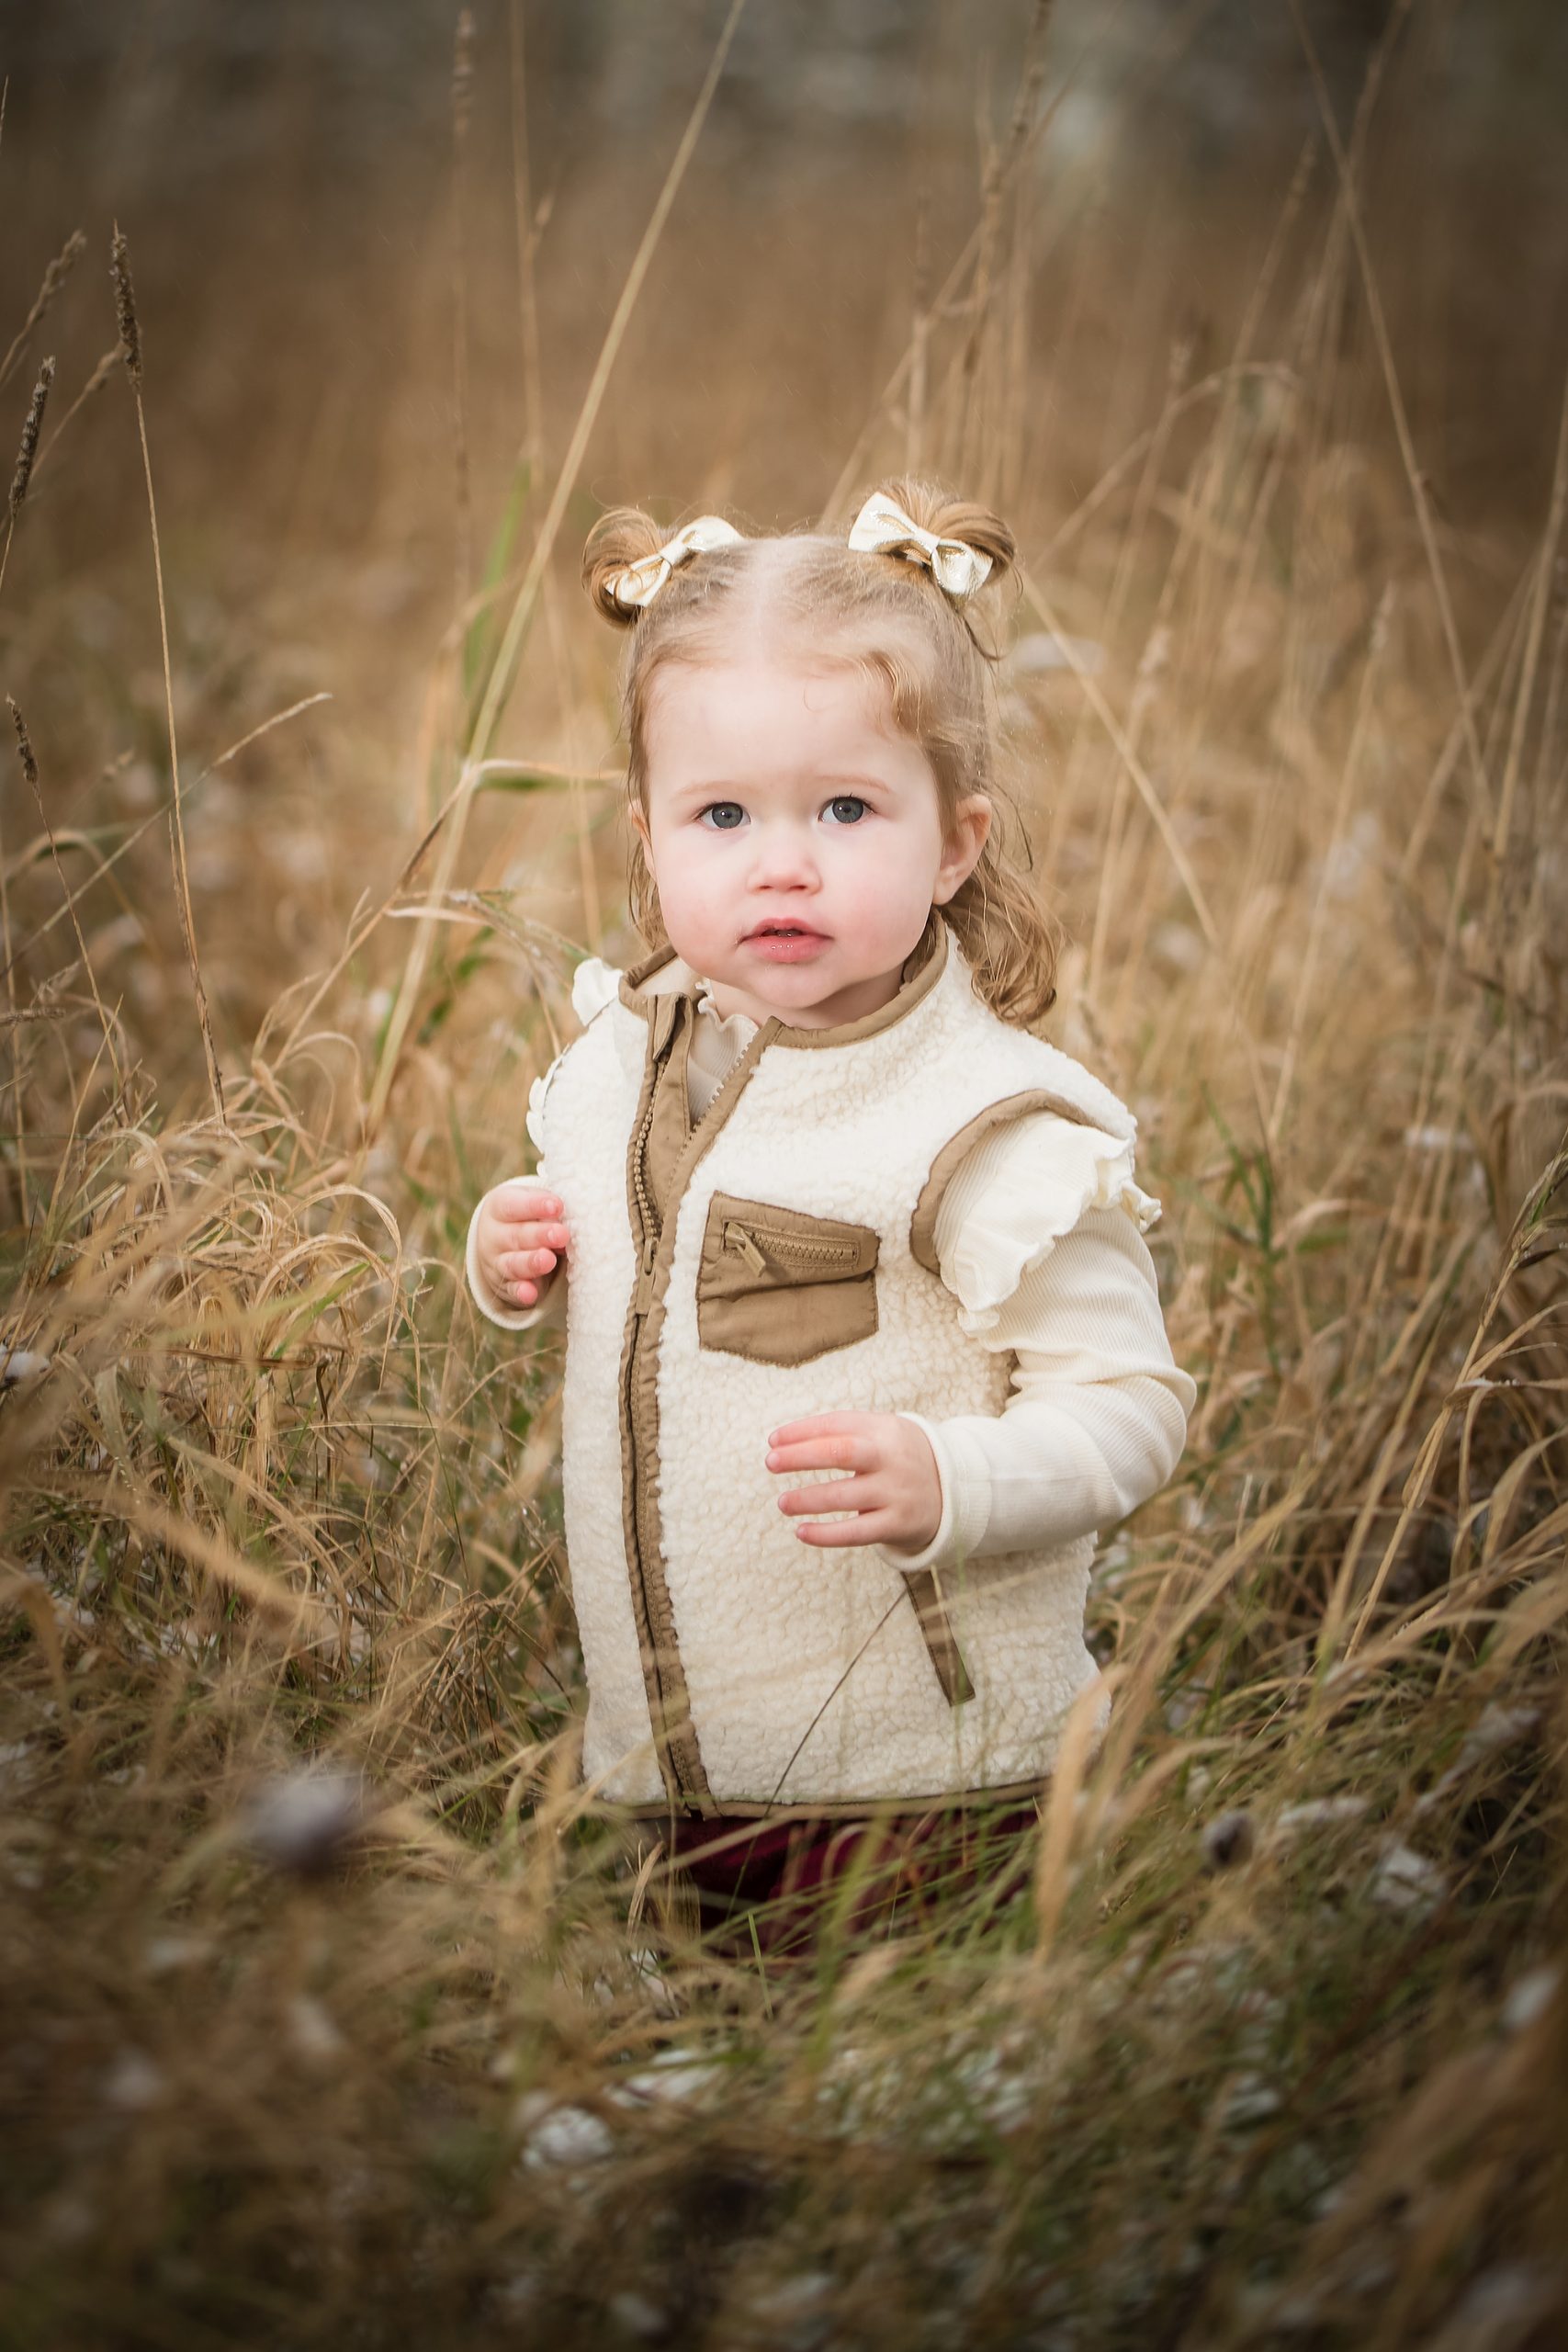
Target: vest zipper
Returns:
[642, 1297]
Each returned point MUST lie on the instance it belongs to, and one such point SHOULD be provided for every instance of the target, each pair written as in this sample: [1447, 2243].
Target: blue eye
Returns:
[724, 816]
[846, 808]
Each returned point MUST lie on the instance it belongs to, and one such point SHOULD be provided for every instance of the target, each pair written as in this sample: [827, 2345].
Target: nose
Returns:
[782, 858]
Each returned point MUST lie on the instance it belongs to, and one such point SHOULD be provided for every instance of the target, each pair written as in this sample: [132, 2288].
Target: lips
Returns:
[784, 942]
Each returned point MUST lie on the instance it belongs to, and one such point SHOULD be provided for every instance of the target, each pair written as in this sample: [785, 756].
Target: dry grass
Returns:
[335, 2013]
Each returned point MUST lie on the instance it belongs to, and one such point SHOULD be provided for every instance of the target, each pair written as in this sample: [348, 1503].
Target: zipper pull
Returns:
[738, 1238]
[644, 1298]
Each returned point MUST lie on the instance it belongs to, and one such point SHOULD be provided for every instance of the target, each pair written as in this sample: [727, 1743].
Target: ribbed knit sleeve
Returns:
[1040, 1239]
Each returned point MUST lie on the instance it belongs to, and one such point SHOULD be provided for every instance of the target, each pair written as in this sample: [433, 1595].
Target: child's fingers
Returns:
[816, 1425]
[523, 1238]
[848, 1452]
[508, 1250]
[871, 1527]
[518, 1264]
[529, 1240]
[521, 1204]
[834, 1494]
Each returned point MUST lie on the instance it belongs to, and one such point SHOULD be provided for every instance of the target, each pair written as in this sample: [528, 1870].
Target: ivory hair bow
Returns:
[882, 527]
[641, 581]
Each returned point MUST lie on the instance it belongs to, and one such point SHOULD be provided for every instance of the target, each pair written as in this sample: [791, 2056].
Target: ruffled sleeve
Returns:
[594, 984]
[1020, 1189]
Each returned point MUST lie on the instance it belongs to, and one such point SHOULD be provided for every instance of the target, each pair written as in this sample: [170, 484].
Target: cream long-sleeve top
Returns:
[1039, 1239]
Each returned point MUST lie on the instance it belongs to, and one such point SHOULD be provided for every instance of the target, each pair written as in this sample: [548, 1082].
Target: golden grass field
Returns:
[334, 2012]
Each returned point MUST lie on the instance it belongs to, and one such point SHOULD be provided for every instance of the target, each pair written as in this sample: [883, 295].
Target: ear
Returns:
[644, 839]
[970, 831]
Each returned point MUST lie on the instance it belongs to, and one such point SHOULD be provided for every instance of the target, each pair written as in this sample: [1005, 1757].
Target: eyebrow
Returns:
[829, 787]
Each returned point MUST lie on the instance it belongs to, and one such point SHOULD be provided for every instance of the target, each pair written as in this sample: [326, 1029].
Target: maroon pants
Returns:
[775, 1886]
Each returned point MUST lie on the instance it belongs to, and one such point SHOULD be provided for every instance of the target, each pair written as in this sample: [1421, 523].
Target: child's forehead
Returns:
[768, 693]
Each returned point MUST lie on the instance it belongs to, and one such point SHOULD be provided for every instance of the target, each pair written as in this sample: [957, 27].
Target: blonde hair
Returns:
[888, 617]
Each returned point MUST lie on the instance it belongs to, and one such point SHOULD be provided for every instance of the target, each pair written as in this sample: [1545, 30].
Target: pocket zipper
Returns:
[784, 1245]
[736, 1238]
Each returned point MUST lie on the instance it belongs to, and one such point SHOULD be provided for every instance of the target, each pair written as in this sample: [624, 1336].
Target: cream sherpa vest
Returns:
[777, 1258]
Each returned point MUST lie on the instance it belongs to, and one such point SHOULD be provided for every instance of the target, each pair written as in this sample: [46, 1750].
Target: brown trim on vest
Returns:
[956, 1149]
[856, 1808]
[936, 1626]
[636, 974]
[675, 1738]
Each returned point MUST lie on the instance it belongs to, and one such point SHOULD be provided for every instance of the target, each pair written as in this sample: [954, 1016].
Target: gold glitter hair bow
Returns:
[639, 583]
[882, 527]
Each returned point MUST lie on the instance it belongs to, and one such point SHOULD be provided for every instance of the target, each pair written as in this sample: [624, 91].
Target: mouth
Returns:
[779, 941]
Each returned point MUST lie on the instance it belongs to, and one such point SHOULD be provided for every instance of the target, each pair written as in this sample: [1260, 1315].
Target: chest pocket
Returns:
[781, 1287]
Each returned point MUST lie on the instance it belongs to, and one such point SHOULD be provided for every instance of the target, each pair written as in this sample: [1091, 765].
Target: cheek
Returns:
[890, 876]
[689, 878]
[672, 863]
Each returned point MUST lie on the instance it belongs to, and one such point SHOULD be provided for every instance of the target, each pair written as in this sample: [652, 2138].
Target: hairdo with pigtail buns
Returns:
[902, 605]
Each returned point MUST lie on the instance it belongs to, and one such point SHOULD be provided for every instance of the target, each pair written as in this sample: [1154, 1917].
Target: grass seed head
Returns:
[30, 430]
[125, 306]
[24, 743]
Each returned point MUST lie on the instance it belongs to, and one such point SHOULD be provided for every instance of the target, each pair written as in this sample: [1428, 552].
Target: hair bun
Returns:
[622, 537]
[935, 509]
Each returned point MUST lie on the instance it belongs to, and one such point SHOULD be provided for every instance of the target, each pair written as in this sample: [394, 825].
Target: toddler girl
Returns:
[863, 1343]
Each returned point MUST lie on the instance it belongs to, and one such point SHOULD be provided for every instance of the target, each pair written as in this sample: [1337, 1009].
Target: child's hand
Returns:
[892, 1484]
[517, 1240]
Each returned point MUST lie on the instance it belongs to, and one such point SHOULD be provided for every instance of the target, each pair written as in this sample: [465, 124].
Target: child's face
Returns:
[795, 836]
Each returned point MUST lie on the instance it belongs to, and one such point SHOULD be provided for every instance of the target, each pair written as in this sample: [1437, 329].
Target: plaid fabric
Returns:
[783, 1883]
